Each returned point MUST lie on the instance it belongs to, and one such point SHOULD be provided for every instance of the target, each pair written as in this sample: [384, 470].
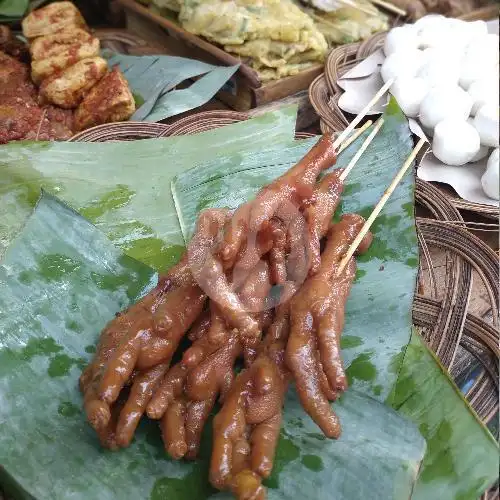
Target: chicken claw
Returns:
[317, 320]
[294, 186]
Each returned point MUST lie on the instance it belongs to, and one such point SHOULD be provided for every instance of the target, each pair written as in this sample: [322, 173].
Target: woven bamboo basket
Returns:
[324, 94]
[461, 339]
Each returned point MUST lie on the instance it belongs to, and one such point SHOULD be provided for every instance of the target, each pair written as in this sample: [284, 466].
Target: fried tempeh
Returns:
[54, 53]
[67, 88]
[109, 101]
[56, 17]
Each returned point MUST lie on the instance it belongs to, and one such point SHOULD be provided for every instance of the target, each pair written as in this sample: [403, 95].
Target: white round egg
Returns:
[440, 70]
[400, 39]
[483, 92]
[462, 32]
[434, 32]
[491, 177]
[405, 63]
[409, 92]
[483, 47]
[483, 151]
[455, 142]
[480, 60]
[446, 101]
[476, 69]
[429, 21]
[486, 123]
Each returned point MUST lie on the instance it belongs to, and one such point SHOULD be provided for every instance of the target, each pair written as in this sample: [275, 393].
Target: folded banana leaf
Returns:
[152, 78]
[124, 187]
[382, 295]
[12, 9]
[458, 445]
[144, 463]
[65, 280]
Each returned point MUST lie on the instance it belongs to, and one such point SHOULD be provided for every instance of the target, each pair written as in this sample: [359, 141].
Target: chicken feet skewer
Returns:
[317, 320]
[246, 429]
[295, 186]
[189, 390]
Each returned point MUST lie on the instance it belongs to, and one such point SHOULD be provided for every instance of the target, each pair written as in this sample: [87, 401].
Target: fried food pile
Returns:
[66, 65]
[274, 36]
[259, 287]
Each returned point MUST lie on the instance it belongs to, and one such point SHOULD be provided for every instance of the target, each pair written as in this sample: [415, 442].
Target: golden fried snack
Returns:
[53, 53]
[319, 213]
[67, 88]
[56, 17]
[109, 101]
[317, 320]
[294, 187]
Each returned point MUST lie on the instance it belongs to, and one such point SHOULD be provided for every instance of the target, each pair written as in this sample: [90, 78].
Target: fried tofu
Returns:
[53, 53]
[109, 101]
[68, 88]
[56, 17]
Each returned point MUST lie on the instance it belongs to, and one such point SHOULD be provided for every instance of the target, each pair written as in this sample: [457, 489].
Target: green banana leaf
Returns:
[13, 9]
[152, 79]
[458, 445]
[372, 355]
[19, 188]
[124, 187]
[65, 280]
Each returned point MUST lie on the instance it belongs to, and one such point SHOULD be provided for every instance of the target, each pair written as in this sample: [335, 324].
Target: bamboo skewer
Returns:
[379, 206]
[355, 5]
[362, 149]
[342, 137]
[354, 136]
[390, 7]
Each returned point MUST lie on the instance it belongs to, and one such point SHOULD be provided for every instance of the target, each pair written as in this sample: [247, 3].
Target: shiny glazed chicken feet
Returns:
[246, 429]
[317, 320]
[189, 390]
[143, 339]
[295, 186]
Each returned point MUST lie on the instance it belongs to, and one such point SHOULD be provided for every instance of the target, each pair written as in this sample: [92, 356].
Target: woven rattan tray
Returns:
[443, 318]
[324, 94]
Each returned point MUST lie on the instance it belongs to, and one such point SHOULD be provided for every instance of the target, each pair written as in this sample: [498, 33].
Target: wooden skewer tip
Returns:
[354, 136]
[390, 7]
[342, 137]
[378, 208]
[362, 149]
